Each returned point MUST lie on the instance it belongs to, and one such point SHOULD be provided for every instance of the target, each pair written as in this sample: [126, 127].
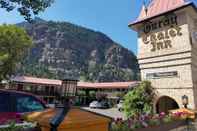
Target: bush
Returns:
[120, 125]
[13, 126]
[139, 100]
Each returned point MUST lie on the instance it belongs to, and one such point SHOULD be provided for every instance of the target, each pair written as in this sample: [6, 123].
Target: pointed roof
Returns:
[158, 7]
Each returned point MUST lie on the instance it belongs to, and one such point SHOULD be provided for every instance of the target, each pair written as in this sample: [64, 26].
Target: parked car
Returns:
[99, 105]
[13, 104]
[95, 104]
[104, 105]
[120, 105]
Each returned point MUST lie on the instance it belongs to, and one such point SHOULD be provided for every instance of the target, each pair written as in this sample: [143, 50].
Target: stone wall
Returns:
[192, 20]
[180, 56]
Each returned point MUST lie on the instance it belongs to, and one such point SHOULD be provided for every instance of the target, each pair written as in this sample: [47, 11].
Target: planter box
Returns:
[164, 127]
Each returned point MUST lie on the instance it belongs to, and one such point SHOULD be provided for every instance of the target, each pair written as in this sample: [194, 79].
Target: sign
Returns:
[162, 40]
[166, 21]
[161, 75]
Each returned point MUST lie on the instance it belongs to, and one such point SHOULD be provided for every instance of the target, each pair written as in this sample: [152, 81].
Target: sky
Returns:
[108, 16]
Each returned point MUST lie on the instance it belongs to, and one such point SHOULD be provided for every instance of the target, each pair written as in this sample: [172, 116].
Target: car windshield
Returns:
[28, 104]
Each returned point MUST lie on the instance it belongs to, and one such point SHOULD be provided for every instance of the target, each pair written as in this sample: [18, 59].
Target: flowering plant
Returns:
[144, 121]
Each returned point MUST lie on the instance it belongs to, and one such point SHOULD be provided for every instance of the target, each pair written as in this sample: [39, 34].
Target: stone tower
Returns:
[167, 51]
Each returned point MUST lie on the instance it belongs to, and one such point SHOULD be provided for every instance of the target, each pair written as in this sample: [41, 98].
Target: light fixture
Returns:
[185, 101]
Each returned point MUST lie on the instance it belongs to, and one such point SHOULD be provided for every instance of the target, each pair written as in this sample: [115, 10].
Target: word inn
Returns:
[162, 40]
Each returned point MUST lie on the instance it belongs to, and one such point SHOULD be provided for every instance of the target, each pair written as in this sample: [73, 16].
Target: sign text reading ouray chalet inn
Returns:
[161, 40]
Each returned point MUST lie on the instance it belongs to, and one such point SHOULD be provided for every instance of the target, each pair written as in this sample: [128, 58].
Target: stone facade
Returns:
[168, 56]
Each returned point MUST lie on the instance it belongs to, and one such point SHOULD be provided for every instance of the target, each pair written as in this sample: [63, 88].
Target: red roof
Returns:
[34, 80]
[82, 85]
[158, 7]
[107, 85]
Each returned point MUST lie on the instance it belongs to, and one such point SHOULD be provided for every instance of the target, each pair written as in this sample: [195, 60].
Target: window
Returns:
[4, 102]
[28, 104]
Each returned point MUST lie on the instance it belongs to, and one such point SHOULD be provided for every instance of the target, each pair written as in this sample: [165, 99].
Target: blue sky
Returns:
[108, 16]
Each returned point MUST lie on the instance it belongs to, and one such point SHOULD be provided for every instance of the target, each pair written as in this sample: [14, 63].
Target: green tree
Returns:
[139, 100]
[14, 42]
[26, 7]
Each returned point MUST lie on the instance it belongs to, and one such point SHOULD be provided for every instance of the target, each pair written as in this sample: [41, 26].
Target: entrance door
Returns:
[165, 104]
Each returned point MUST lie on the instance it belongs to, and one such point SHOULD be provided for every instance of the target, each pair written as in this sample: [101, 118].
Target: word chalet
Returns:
[162, 40]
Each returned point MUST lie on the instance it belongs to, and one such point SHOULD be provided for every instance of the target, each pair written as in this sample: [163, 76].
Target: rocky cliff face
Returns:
[64, 50]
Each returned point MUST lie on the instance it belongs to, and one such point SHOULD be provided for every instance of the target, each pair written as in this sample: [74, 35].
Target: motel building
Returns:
[167, 51]
[52, 91]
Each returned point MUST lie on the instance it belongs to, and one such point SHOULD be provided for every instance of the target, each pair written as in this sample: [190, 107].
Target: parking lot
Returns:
[112, 112]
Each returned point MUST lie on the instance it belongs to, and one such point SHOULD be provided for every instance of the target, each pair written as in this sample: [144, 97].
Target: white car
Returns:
[95, 104]
[120, 105]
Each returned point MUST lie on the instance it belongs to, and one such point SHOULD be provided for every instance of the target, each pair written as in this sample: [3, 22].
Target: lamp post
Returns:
[69, 88]
[185, 101]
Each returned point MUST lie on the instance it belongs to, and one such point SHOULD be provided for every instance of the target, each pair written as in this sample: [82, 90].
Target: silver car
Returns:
[95, 104]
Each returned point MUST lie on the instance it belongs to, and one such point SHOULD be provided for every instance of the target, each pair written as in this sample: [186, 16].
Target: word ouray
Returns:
[167, 21]
[161, 40]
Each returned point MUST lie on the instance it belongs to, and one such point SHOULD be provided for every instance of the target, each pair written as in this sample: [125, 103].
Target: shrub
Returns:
[139, 100]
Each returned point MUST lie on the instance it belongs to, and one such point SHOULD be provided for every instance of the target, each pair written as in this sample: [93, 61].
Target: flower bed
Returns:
[164, 126]
[19, 127]
[161, 122]
[15, 122]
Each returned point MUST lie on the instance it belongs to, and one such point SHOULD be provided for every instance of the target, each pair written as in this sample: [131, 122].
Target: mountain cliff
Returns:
[64, 50]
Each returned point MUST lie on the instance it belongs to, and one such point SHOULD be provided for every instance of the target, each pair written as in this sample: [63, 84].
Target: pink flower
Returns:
[130, 122]
[162, 114]
[119, 121]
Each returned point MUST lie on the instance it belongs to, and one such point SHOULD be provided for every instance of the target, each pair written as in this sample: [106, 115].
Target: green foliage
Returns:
[120, 127]
[14, 42]
[68, 50]
[154, 122]
[26, 7]
[167, 119]
[107, 73]
[37, 71]
[12, 127]
[139, 100]
[120, 95]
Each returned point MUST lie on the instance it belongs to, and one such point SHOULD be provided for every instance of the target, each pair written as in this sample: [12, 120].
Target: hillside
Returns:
[64, 50]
